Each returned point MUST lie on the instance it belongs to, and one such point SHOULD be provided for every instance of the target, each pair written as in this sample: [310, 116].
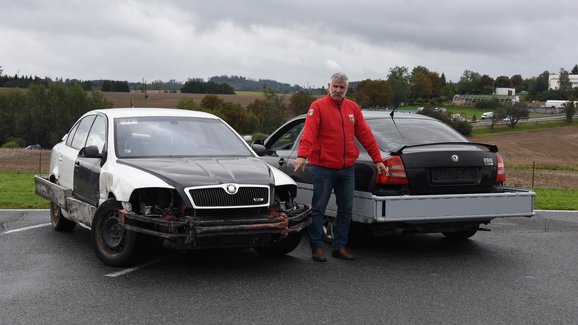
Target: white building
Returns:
[554, 81]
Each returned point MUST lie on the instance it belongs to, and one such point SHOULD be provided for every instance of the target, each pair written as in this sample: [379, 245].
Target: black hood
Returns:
[187, 172]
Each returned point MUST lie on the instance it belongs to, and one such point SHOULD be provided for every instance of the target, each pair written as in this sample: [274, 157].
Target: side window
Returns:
[97, 134]
[70, 135]
[79, 137]
[287, 140]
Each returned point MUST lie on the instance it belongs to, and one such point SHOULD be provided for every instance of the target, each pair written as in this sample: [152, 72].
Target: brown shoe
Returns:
[318, 256]
[342, 253]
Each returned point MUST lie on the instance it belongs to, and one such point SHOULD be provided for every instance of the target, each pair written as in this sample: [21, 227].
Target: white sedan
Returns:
[183, 176]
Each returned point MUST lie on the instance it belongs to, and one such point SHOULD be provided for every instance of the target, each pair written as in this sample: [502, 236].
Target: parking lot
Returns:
[522, 272]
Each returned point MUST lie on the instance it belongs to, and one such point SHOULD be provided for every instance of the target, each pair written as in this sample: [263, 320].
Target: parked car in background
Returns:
[487, 116]
[33, 147]
[458, 117]
[182, 176]
[437, 180]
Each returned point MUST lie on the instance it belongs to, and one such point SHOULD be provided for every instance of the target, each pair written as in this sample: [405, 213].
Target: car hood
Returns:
[188, 172]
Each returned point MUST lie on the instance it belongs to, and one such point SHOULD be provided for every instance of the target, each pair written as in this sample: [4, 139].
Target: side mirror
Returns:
[90, 152]
[259, 149]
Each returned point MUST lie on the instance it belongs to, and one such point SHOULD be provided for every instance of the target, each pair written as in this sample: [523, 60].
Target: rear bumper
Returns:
[454, 208]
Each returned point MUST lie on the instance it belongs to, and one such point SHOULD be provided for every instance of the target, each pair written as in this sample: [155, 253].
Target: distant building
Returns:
[506, 96]
[554, 81]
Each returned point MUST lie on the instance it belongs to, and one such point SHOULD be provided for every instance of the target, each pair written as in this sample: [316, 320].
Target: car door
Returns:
[89, 161]
[67, 153]
[282, 147]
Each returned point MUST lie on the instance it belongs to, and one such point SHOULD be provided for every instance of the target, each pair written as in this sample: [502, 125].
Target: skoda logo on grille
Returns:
[455, 158]
[231, 188]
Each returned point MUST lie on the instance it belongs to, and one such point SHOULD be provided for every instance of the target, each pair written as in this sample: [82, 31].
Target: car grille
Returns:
[449, 176]
[217, 197]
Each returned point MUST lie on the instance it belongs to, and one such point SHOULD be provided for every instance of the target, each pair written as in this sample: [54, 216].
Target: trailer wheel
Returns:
[112, 243]
[328, 230]
[59, 222]
[459, 235]
[283, 246]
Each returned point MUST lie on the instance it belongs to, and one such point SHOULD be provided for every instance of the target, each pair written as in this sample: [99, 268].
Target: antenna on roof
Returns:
[392, 113]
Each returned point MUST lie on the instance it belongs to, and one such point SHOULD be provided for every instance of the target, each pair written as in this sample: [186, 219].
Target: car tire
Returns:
[459, 235]
[59, 222]
[328, 224]
[282, 246]
[112, 243]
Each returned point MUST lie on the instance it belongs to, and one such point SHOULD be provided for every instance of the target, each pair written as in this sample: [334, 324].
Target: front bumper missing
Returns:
[276, 223]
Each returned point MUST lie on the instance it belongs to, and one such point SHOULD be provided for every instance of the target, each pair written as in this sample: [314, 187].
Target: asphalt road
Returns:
[522, 272]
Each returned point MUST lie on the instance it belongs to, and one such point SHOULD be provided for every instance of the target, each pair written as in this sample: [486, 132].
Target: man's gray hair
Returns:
[339, 77]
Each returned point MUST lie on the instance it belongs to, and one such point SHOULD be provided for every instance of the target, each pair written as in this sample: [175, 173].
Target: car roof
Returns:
[150, 111]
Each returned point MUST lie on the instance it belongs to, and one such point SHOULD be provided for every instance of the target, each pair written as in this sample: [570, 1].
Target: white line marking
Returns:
[136, 268]
[26, 228]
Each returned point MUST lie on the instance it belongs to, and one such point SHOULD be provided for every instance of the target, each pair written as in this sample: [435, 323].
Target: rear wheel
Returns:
[112, 243]
[328, 230]
[59, 222]
[283, 246]
[460, 235]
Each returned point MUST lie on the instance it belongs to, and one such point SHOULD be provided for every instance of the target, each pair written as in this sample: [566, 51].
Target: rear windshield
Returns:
[411, 132]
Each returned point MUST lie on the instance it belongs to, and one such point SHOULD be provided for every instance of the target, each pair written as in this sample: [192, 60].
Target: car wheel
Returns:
[459, 235]
[328, 230]
[282, 246]
[112, 243]
[59, 222]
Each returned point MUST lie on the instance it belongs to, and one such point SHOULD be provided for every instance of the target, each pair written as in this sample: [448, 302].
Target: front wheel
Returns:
[59, 222]
[112, 243]
[282, 246]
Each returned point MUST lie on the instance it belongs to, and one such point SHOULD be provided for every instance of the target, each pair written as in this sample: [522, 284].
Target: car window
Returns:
[81, 132]
[288, 137]
[170, 136]
[411, 132]
[97, 134]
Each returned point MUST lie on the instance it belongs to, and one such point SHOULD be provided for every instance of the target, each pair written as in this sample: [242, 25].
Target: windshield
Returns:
[413, 131]
[176, 137]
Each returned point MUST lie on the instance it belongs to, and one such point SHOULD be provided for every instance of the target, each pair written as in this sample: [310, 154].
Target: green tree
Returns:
[211, 102]
[565, 85]
[486, 85]
[503, 82]
[569, 111]
[469, 83]
[398, 80]
[574, 70]
[188, 103]
[237, 117]
[372, 93]
[300, 102]
[517, 82]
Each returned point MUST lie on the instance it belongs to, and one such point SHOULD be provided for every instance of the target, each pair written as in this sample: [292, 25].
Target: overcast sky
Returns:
[298, 42]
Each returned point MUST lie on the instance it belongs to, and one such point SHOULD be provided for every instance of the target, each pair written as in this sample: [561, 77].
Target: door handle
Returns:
[77, 163]
[282, 161]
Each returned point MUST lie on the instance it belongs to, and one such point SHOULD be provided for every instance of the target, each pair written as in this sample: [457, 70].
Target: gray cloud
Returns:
[299, 42]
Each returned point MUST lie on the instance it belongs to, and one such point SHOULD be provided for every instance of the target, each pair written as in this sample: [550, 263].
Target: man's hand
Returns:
[380, 168]
[299, 163]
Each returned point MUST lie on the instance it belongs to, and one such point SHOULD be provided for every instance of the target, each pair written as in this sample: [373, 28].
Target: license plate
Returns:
[454, 175]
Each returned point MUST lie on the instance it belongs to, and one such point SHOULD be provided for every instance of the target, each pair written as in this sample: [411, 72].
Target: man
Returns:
[328, 143]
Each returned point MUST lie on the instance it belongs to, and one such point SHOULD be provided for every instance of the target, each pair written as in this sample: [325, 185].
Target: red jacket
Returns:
[330, 131]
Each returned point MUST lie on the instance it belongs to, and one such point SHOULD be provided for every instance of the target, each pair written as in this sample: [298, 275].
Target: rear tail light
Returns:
[395, 172]
[501, 173]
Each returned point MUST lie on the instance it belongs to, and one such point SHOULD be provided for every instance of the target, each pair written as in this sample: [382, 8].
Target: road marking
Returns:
[136, 268]
[26, 228]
